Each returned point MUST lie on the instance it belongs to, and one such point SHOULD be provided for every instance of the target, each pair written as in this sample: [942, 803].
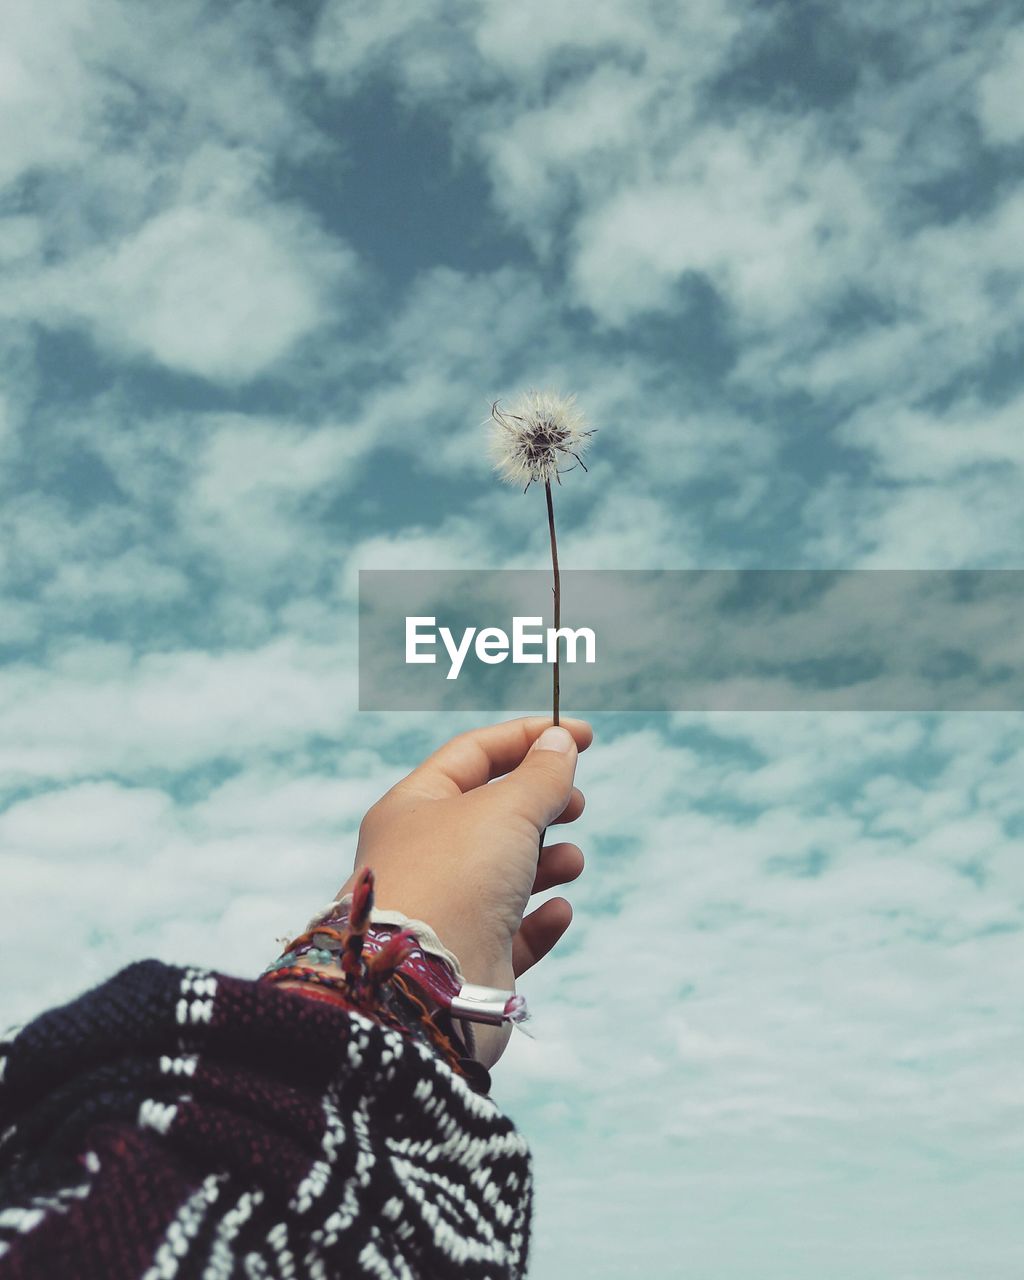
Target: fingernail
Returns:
[554, 739]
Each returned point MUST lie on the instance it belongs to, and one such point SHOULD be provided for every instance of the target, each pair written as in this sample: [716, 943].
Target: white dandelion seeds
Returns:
[540, 436]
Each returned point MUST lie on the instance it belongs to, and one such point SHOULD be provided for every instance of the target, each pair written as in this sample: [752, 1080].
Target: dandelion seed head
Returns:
[538, 436]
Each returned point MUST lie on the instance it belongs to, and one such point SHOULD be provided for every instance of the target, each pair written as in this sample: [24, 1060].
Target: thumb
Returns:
[539, 789]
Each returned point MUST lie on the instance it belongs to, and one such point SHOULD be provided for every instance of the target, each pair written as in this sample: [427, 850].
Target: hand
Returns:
[461, 855]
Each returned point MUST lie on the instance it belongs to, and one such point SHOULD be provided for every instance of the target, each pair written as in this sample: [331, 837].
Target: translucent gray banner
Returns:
[675, 640]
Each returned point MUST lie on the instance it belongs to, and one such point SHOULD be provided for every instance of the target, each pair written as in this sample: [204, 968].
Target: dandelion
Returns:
[543, 435]
[534, 440]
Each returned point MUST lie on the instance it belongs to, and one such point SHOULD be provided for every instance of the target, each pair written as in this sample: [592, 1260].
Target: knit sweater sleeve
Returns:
[181, 1123]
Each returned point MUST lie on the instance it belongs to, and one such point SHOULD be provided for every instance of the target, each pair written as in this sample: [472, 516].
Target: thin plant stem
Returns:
[557, 591]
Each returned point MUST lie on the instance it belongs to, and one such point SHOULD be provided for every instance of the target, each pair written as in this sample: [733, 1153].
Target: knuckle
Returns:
[374, 814]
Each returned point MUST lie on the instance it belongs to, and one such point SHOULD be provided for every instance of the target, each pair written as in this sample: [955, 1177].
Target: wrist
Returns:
[351, 941]
[413, 900]
[472, 999]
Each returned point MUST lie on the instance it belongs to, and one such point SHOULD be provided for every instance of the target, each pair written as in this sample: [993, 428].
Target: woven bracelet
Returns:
[429, 964]
[389, 966]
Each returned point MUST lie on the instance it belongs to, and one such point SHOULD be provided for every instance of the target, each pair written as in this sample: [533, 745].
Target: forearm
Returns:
[172, 1098]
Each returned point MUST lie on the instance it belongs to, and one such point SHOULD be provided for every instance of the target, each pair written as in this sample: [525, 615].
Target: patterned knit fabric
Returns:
[180, 1123]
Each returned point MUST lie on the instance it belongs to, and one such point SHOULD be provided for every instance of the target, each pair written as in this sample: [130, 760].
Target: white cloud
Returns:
[527, 37]
[256, 488]
[45, 99]
[217, 292]
[912, 444]
[750, 207]
[262, 800]
[105, 818]
[352, 40]
[170, 710]
[165, 244]
[126, 579]
[1000, 106]
[974, 523]
[208, 293]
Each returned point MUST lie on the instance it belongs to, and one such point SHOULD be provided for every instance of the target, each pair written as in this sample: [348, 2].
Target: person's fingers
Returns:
[540, 788]
[559, 863]
[577, 803]
[471, 759]
[538, 933]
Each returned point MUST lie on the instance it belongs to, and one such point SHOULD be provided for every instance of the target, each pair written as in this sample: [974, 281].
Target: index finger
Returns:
[471, 759]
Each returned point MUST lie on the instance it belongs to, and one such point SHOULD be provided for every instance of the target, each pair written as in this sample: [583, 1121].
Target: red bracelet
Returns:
[467, 1001]
[380, 962]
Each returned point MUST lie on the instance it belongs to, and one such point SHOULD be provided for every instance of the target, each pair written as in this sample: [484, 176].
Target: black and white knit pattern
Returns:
[176, 1123]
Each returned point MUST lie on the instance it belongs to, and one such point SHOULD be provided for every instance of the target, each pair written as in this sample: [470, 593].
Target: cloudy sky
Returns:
[264, 267]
